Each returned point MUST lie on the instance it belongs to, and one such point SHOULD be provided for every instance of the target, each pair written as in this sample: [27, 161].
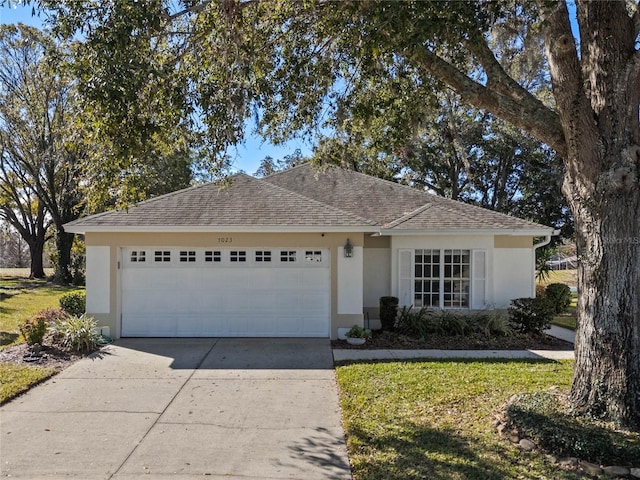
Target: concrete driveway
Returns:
[184, 408]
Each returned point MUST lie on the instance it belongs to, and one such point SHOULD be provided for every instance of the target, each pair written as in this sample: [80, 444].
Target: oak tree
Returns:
[298, 66]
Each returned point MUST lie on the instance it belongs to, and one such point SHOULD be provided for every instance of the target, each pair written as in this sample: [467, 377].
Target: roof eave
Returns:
[534, 232]
[71, 228]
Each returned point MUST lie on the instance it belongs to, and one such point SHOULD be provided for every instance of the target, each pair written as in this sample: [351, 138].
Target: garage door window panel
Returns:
[187, 256]
[288, 256]
[238, 256]
[263, 256]
[162, 256]
[212, 256]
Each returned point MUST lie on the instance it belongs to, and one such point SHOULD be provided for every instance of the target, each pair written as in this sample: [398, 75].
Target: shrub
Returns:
[489, 324]
[74, 302]
[530, 315]
[388, 312]
[33, 330]
[358, 332]
[416, 323]
[452, 324]
[76, 333]
[35, 327]
[545, 418]
[540, 290]
[559, 295]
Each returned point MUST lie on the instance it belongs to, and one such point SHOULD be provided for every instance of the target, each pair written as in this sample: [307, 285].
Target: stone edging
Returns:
[569, 463]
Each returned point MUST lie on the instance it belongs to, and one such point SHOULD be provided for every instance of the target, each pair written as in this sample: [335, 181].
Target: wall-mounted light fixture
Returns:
[348, 249]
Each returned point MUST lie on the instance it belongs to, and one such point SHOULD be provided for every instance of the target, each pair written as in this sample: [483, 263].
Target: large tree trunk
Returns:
[64, 243]
[606, 380]
[597, 95]
[36, 251]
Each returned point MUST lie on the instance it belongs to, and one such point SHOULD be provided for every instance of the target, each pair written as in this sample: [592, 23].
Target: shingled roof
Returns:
[306, 200]
[391, 205]
[245, 202]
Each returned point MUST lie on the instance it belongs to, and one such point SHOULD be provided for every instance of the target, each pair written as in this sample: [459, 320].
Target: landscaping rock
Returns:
[615, 471]
[635, 472]
[514, 438]
[526, 445]
[590, 468]
[568, 462]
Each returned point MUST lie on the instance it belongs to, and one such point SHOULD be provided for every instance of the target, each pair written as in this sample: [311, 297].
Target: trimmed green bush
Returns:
[530, 315]
[388, 312]
[35, 327]
[74, 303]
[76, 333]
[559, 295]
[545, 417]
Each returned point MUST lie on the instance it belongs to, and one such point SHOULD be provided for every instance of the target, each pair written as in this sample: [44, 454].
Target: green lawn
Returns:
[21, 298]
[16, 379]
[434, 419]
[568, 320]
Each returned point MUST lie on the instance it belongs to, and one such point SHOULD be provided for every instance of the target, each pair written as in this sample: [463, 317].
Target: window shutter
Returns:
[479, 279]
[405, 277]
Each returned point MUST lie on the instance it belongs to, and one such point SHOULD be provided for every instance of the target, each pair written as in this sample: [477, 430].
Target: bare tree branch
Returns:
[528, 113]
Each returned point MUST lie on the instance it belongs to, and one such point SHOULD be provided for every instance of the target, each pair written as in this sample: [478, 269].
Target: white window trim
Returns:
[408, 282]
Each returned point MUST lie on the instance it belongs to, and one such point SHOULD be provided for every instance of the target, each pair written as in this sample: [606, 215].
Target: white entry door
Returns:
[230, 292]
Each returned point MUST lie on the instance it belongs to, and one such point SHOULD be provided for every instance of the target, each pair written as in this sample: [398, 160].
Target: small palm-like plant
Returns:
[76, 333]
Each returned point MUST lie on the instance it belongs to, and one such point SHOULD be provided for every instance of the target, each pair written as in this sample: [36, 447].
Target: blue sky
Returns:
[245, 157]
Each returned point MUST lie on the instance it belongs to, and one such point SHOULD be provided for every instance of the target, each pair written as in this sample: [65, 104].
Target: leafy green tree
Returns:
[301, 66]
[269, 166]
[41, 149]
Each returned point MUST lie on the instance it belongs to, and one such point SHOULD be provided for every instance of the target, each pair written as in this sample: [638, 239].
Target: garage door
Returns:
[207, 292]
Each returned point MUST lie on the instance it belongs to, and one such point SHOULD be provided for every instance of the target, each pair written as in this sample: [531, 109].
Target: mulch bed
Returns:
[39, 356]
[395, 341]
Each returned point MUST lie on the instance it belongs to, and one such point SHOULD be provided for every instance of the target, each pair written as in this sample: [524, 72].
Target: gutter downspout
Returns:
[536, 246]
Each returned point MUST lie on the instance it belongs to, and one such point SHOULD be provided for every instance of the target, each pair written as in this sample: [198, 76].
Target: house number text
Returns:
[225, 239]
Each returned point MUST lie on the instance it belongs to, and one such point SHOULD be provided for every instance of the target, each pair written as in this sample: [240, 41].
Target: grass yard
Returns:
[568, 277]
[16, 379]
[434, 419]
[21, 298]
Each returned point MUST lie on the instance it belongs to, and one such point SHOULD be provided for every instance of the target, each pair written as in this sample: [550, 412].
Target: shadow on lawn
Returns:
[421, 452]
[7, 338]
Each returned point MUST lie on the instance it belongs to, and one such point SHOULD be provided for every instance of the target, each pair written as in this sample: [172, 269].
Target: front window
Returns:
[457, 271]
[441, 278]
[427, 278]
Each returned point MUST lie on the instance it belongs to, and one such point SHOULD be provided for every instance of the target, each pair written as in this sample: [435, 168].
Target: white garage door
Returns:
[234, 292]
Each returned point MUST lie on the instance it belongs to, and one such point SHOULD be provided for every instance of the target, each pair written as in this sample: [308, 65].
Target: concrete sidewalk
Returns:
[185, 409]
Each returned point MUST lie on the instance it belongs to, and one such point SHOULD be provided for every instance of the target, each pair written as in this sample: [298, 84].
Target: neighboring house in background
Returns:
[298, 253]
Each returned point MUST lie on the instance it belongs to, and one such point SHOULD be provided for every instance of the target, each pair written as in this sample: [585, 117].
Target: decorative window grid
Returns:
[138, 256]
[187, 256]
[212, 256]
[313, 256]
[162, 256]
[457, 275]
[237, 256]
[287, 256]
[427, 278]
[263, 256]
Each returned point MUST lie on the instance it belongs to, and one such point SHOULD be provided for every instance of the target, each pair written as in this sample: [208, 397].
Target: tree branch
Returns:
[527, 113]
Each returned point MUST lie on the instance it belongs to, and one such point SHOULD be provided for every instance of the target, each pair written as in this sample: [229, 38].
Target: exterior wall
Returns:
[108, 291]
[509, 262]
[514, 275]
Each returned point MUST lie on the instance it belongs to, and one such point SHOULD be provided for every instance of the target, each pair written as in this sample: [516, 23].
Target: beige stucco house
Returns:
[297, 254]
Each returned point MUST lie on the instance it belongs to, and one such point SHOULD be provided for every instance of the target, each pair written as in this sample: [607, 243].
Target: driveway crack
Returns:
[197, 367]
